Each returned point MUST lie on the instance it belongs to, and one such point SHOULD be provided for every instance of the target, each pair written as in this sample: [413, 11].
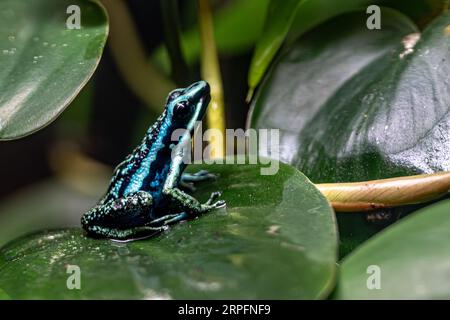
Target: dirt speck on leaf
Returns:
[447, 30]
[409, 42]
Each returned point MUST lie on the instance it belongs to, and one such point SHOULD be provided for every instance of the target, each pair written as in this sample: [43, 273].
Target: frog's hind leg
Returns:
[170, 219]
[188, 179]
[117, 210]
[174, 218]
[114, 218]
[126, 235]
[202, 175]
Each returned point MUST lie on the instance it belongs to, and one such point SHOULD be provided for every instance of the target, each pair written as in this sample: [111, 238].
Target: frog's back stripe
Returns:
[145, 167]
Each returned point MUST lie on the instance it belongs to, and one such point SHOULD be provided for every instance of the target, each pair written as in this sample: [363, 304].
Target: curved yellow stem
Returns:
[386, 193]
[215, 116]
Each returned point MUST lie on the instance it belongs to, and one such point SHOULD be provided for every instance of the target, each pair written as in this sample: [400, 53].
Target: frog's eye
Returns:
[182, 109]
[180, 106]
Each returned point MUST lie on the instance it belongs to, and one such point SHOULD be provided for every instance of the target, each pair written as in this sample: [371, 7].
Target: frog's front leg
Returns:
[191, 205]
[173, 218]
[117, 219]
[182, 200]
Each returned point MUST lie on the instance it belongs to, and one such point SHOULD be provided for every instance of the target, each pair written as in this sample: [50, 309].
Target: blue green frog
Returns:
[145, 196]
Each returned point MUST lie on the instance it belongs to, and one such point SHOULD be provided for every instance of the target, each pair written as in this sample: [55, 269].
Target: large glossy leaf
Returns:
[291, 19]
[280, 16]
[412, 256]
[275, 239]
[355, 105]
[44, 64]
[3, 295]
[321, 10]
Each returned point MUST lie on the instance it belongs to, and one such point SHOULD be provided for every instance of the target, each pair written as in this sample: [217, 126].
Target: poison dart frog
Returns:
[145, 196]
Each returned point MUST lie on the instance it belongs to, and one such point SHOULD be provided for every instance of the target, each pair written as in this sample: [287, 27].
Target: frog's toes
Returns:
[206, 175]
[214, 196]
[219, 204]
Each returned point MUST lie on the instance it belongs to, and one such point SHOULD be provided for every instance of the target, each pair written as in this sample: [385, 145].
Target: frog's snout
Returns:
[199, 90]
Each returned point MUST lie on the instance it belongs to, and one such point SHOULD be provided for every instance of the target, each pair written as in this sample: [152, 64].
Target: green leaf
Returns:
[233, 32]
[412, 256]
[292, 21]
[421, 12]
[44, 64]
[3, 295]
[279, 18]
[276, 239]
[303, 15]
[356, 105]
[314, 12]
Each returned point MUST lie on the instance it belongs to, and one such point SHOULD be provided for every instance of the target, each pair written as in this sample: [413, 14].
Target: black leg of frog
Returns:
[98, 220]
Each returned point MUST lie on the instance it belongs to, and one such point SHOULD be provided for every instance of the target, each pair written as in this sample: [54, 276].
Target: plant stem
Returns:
[386, 193]
[211, 73]
[142, 77]
[172, 35]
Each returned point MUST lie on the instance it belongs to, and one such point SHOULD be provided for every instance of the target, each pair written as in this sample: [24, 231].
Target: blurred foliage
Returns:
[47, 204]
[45, 65]
[232, 30]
